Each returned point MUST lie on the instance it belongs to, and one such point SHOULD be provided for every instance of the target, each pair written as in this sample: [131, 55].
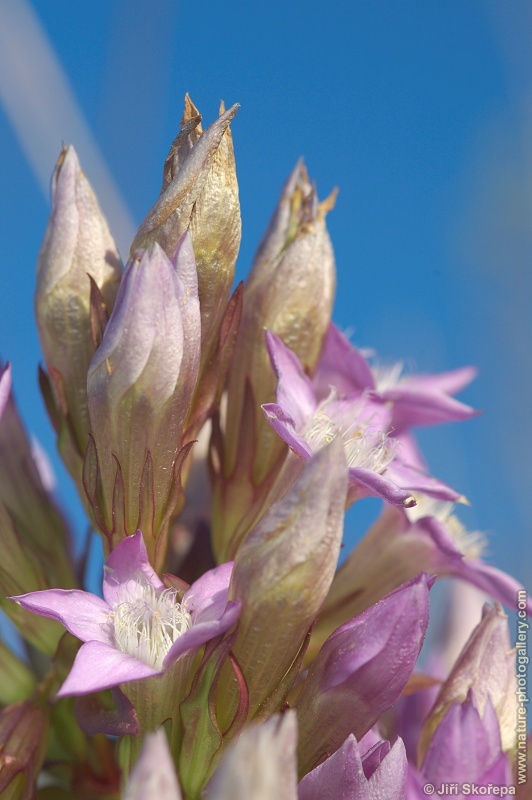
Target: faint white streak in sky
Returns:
[42, 108]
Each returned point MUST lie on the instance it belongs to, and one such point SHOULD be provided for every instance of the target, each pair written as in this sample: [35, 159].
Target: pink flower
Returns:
[140, 628]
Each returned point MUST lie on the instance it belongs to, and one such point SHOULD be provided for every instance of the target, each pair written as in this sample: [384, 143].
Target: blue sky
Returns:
[418, 111]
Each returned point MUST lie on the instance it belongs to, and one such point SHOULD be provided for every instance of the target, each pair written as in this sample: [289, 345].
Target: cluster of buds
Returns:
[216, 440]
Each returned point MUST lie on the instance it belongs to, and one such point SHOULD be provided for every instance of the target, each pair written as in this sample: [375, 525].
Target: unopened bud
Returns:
[77, 245]
[140, 384]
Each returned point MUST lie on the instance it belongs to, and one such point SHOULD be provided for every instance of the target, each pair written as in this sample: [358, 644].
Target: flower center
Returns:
[362, 448]
[148, 622]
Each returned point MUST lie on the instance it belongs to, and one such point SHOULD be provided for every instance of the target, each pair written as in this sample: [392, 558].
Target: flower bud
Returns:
[140, 384]
[200, 193]
[296, 543]
[360, 672]
[77, 246]
[260, 765]
[486, 668]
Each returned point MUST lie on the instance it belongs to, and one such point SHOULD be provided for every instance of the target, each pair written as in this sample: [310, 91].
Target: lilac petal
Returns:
[202, 632]
[83, 614]
[99, 666]
[408, 477]
[371, 484]
[210, 589]
[409, 452]
[284, 425]
[389, 632]
[388, 781]
[445, 382]
[343, 366]
[361, 671]
[415, 407]
[374, 755]
[128, 559]
[340, 777]
[447, 559]
[294, 390]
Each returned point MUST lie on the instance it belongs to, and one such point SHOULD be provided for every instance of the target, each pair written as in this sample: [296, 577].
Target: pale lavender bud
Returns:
[140, 384]
[77, 244]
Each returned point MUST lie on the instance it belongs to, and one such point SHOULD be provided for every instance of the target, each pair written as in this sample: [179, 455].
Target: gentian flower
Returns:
[376, 467]
[78, 248]
[140, 384]
[416, 400]
[140, 628]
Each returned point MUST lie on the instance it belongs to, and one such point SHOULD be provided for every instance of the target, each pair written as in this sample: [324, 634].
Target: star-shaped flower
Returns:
[364, 424]
[140, 628]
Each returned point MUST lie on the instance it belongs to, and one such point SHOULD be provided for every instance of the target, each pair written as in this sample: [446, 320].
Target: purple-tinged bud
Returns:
[200, 193]
[360, 672]
[379, 774]
[140, 384]
[23, 732]
[153, 777]
[77, 247]
[486, 669]
[296, 544]
[260, 765]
